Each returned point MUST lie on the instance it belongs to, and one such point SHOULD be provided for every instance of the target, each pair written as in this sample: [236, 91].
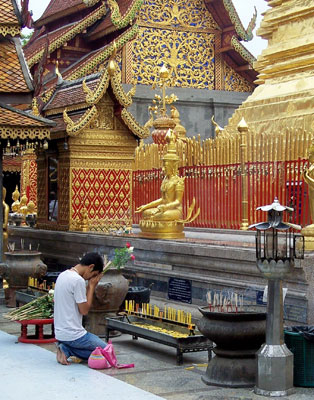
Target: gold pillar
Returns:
[243, 129]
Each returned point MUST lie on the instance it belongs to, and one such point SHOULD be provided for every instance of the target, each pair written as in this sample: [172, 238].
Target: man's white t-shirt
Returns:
[70, 290]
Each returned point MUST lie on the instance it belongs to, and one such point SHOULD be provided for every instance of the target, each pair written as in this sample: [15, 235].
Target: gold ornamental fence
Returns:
[230, 176]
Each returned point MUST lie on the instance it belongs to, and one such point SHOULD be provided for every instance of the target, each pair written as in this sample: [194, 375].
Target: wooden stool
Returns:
[39, 336]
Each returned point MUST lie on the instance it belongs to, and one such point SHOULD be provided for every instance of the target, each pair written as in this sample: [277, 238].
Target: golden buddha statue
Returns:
[6, 210]
[23, 205]
[163, 218]
[15, 207]
[308, 176]
[84, 223]
[31, 208]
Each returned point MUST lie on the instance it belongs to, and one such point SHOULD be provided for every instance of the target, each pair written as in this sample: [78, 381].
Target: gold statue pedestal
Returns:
[308, 233]
[161, 229]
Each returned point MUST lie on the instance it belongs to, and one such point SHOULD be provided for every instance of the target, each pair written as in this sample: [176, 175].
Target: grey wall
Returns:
[196, 107]
[208, 266]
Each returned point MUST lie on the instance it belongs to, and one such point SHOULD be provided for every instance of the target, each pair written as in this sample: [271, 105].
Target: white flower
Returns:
[130, 249]
[51, 291]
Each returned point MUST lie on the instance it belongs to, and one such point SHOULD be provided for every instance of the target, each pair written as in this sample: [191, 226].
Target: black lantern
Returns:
[276, 244]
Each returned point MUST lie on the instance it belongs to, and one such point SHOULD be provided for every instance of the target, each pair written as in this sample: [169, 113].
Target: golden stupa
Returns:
[284, 98]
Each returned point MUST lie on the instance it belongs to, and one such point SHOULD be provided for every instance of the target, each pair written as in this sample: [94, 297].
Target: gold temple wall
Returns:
[100, 178]
[185, 37]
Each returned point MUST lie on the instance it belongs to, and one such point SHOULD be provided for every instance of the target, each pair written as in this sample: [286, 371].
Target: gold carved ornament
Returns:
[96, 96]
[125, 99]
[116, 17]
[134, 126]
[190, 14]
[12, 30]
[235, 82]
[8, 132]
[72, 128]
[190, 56]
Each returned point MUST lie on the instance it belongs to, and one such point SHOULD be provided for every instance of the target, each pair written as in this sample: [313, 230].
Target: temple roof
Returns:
[9, 18]
[71, 90]
[226, 16]
[14, 73]
[15, 124]
[101, 23]
[89, 63]
[78, 100]
[59, 8]
[15, 80]
[10, 116]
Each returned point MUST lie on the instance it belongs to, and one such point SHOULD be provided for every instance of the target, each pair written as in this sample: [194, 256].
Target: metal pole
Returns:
[244, 129]
[274, 359]
[274, 322]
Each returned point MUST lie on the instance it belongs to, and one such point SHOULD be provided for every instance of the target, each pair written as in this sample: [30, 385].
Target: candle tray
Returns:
[194, 341]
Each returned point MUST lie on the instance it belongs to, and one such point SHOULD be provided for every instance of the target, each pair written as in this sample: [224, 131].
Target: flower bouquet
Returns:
[120, 258]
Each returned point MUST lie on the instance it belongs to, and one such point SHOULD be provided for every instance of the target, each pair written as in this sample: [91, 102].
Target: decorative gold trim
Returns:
[125, 99]
[94, 97]
[101, 163]
[60, 110]
[178, 28]
[46, 96]
[239, 48]
[116, 17]
[72, 128]
[10, 30]
[133, 125]
[7, 132]
[102, 56]
[70, 34]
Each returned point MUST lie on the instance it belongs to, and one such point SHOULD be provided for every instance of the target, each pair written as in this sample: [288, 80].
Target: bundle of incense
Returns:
[106, 267]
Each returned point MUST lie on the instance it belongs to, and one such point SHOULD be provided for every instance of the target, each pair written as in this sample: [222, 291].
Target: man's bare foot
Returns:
[61, 357]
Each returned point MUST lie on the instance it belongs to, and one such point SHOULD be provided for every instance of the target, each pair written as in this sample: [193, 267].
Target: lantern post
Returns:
[276, 248]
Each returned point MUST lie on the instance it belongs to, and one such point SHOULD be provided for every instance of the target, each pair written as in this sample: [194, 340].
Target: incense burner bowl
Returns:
[18, 267]
[238, 336]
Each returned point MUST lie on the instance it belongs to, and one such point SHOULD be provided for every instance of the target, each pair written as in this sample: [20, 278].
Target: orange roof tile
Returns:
[13, 117]
[12, 78]
[71, 95]
[56, 7]
[7, 13]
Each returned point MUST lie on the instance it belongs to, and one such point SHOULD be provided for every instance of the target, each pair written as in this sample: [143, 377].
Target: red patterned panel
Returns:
[104, 192]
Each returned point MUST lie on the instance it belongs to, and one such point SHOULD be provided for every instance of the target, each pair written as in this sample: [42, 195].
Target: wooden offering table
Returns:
[39, 336]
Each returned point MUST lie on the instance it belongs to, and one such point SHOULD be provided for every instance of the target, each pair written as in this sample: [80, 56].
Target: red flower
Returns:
[128, 245]
[132, 257]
